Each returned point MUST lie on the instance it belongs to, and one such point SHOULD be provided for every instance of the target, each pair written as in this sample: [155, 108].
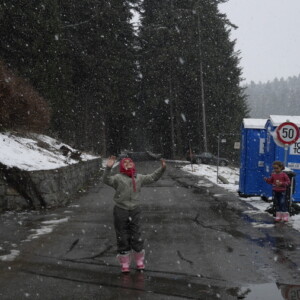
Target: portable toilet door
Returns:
[253, 135]
[272, 153]
[276, 152]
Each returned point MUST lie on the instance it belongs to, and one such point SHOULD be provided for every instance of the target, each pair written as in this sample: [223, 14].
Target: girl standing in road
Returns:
[280, 181]
[127, 211]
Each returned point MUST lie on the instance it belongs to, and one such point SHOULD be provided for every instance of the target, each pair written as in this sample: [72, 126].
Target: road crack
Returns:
[184, 259]
[73, 245]
[206, 226]
[107, 248]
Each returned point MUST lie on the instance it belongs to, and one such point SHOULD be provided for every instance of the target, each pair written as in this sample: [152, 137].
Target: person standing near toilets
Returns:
[127, 210]
[280, 181]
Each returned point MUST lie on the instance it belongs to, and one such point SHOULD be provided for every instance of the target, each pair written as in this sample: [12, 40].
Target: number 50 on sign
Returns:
[288, 133]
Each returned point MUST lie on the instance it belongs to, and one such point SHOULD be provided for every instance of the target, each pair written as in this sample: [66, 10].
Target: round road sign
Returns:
[288, 133]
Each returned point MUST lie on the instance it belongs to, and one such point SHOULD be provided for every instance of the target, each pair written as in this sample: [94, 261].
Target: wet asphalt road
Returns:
[201, 243]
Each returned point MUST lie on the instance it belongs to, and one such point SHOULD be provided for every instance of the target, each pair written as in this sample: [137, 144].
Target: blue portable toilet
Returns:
[276, 152]
[253, 136]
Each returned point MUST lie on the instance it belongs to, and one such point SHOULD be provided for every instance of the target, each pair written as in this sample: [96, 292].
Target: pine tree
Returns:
[80, 56]
[104, 70]
[30, 43]
[188, 60]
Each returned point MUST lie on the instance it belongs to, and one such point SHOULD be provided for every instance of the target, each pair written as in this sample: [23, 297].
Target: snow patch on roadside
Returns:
[219, 195]
[10, 257]
[252, 212]
[56, 221]
[295, 222]
[210, 172]
[204, 183]
[50, 225]
[262, 225]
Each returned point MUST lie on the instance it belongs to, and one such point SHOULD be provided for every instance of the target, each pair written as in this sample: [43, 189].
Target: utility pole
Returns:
[172, 95]
[172, 117]
[202, 86]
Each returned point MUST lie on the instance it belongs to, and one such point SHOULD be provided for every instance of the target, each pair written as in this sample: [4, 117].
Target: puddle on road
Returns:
[180, 288]
[251, 220]
[271, 291]
[139, 284]
[275, 242]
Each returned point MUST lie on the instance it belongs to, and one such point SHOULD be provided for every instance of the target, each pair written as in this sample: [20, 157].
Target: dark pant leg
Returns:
[136, 241]
[121, 223]
[275, 201]
[282, 203]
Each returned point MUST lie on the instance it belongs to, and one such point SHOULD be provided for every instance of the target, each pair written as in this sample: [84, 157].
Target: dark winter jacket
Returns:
[125, 197]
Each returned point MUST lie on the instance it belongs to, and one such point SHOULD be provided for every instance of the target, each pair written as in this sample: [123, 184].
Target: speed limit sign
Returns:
[288, 133]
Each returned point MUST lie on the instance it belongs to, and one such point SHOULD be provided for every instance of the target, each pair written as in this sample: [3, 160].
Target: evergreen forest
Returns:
[277, 97]
[166, 83]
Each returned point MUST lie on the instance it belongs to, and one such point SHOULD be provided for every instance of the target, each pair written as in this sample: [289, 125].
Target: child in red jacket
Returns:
[280, 181]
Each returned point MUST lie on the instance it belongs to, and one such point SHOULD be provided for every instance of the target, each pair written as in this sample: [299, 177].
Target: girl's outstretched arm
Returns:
[111, 161]
[107, 178]
[150, 178]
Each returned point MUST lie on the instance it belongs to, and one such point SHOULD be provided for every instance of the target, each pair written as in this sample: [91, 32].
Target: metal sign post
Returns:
[287, 134]
[218, 157]
[191, 156]
[286, 149]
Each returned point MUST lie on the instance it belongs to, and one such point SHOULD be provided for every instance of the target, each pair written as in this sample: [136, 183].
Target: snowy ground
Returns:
[232, 175]
[37, 152]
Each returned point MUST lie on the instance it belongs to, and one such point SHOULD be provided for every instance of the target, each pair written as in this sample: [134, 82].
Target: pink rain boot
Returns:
[278, 216]
[285, 216]
[139, 259]
[124, 260]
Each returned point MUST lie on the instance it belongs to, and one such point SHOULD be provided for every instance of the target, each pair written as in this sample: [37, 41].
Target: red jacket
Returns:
[281, 177]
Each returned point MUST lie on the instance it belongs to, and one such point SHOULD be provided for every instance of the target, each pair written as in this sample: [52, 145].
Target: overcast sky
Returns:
[268, 37]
